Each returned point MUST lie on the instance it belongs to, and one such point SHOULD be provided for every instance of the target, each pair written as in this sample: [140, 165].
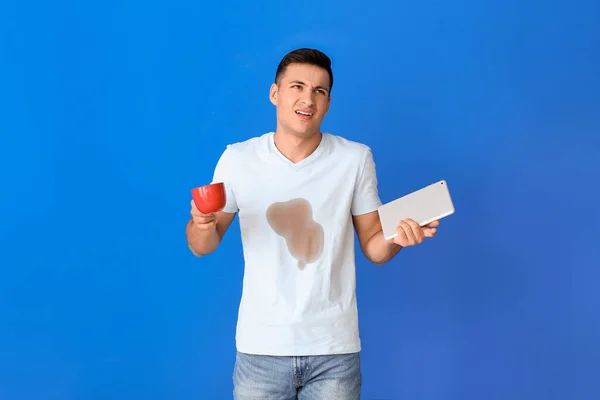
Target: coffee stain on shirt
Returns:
[293, 220]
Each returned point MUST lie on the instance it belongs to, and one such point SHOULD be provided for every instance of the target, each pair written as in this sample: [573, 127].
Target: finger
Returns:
[204, 217]
[195, 211]
[205, 227]
[401, 239]
[416, 230]
[429, 232]
[193, 204]
[410, 236]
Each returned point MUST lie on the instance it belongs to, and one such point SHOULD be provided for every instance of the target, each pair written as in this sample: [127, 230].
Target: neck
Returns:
[296, 148]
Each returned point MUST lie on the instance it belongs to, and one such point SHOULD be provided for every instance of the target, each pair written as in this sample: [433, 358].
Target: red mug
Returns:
[210, 198]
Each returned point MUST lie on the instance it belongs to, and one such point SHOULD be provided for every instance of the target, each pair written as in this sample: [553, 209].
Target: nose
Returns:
[308, 97]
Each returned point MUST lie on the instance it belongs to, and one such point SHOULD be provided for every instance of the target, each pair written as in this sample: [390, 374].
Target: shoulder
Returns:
[249, 146]
[239, 153]
[347, 148]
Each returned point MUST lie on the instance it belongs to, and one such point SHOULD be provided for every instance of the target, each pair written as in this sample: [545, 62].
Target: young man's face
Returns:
[302, 99]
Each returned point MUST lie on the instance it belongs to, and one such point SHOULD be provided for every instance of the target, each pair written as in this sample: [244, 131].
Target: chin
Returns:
[306, 133]
[302, 129]
[307, 129]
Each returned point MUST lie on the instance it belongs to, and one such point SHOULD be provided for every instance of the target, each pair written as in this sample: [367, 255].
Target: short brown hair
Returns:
[305, 56]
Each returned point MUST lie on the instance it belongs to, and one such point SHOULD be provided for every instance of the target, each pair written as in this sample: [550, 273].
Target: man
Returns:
[299, 195]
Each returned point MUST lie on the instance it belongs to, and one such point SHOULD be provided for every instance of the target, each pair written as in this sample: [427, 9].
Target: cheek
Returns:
[291, 102]
[284, 104]
[323, 106]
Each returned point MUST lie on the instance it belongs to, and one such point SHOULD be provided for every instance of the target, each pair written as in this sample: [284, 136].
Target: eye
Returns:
[296, 86]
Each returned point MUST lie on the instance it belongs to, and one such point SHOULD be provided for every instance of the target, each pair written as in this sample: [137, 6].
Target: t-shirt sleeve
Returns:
[366, 195]
[225, 172]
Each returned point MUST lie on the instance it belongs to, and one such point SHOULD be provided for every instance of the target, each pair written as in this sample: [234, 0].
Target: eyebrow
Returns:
[317, 87]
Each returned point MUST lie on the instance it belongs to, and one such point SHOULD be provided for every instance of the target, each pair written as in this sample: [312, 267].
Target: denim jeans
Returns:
[330, 377]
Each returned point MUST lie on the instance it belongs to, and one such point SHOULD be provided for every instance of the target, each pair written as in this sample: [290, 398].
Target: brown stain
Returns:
[293, 220]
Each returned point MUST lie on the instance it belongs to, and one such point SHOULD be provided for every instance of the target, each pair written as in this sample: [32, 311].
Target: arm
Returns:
[368, 227]
[372, 242]
[377, 248]
[366, 217]
[204, 232]
[204, 239]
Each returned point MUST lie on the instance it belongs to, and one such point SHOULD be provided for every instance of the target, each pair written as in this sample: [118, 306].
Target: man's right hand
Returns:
[203, 222]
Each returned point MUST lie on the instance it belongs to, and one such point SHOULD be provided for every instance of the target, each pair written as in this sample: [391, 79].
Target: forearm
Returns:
[379, 250]
[201, 242]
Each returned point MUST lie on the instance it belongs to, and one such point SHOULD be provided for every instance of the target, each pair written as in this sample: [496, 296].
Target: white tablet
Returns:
[424, 206]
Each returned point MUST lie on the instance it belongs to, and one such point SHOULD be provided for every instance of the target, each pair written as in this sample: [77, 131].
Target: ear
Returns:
[328, 104]
[273, 94]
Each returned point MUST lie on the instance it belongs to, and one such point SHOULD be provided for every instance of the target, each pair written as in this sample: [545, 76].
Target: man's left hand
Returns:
[410, 233]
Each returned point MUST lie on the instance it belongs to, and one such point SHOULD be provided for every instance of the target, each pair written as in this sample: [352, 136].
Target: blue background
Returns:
[111, 111]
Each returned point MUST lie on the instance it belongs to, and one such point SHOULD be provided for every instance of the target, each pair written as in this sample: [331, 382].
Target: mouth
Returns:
[305, 113]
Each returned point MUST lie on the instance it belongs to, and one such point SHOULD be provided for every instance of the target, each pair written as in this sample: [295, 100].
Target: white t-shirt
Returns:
[298, 294]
